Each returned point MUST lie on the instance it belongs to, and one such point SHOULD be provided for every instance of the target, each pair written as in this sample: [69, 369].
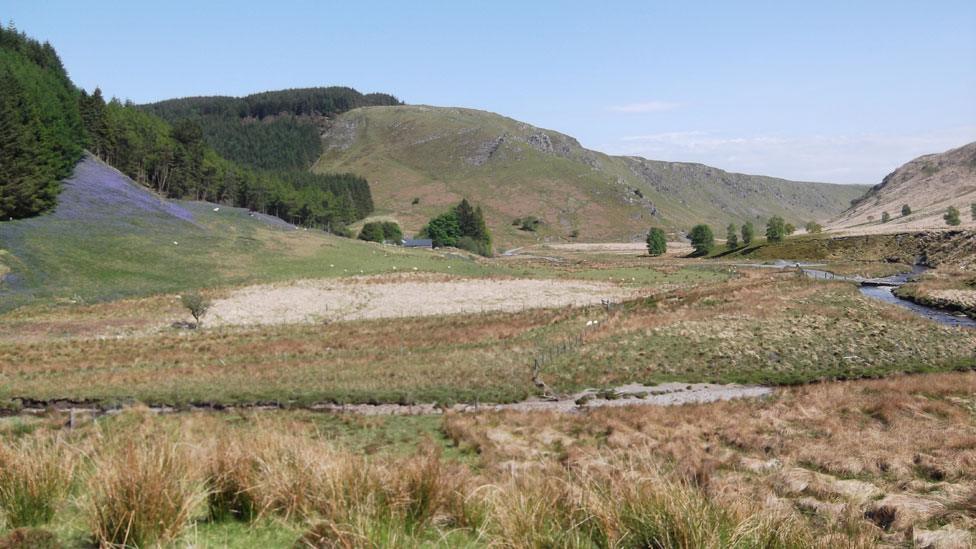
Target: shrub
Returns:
[142, 493]
[885, 217]
[372, 232]
[775, 229]
[702, 239]
[748, 233]
[906, 210]
[231, 476]
[972, 210]
[574, 233]
[415, 201]
[35, 477]
[392, 233]
[731, 237]
[813, 227]
[530, 223]
[474, 246]
[196, 304]
[657, 243]
[381, 231]
[789, 228]
[952, 216]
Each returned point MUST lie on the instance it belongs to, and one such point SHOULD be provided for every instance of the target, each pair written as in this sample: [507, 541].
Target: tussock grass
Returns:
[801, 469]
[142, 493]
[36, 474]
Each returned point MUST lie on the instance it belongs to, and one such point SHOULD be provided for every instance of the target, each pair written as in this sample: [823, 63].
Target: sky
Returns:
[837, 91]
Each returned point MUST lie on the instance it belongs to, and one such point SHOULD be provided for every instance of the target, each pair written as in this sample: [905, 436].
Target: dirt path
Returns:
[311, 301]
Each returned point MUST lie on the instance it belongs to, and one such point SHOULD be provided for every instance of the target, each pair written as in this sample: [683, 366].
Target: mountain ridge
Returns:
[514, 169]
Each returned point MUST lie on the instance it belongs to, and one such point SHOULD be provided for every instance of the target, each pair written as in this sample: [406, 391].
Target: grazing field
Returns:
[760, 327]
[817, 466]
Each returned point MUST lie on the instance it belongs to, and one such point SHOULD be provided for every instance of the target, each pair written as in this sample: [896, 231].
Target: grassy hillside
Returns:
[110, 237]
[929, 185]
[512, 169]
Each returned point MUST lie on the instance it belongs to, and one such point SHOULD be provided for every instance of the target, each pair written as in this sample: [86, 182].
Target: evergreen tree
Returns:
[906, 210]
[748, 233]
[731, 237]
[972, 210]
[702, 239]
[885, 217]
[657, 243]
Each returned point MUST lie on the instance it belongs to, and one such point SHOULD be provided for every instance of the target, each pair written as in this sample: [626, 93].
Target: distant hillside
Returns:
[421, 159]
[268, 130]
[928, 185]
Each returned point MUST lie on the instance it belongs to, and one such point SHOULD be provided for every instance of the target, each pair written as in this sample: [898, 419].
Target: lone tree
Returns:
[952, 216]
[197, 305]
[906, 210]
[731, 237]
[748, 233]
[775, 229]
[885, 217]
[813, 227]
[657, 244]
[702, 239]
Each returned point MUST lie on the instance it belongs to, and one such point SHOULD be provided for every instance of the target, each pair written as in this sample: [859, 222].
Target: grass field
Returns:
[816, 466]
[759, 328]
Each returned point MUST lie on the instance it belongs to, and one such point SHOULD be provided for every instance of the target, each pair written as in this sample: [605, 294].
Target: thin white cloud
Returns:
[860, 158]
[645, 107]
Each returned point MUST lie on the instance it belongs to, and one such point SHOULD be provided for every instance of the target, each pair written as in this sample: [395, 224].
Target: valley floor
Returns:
[830, 461]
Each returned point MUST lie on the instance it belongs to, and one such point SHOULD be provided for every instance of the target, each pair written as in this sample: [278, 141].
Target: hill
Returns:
[928, 185]
[110, 237]
[269, 130]
[419, 160]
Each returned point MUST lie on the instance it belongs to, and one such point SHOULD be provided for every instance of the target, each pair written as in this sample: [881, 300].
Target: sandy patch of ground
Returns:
[309, 301]
[680, 249]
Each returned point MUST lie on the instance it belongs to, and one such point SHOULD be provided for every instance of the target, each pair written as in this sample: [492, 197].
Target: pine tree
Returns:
[731, 237]
[748, 233]
[702, 239]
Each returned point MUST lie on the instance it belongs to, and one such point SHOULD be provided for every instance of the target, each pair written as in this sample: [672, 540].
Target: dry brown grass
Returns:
[829, 451]
[858, 464]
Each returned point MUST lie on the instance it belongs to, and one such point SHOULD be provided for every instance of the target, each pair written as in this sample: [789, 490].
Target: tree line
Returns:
[45, 122]
[41, 133]
[272, 130]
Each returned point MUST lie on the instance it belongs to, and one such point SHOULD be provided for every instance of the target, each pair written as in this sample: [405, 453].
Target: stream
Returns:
[882, 289]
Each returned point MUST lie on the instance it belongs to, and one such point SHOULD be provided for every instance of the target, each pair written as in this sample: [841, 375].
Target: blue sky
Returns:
[826, 91]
